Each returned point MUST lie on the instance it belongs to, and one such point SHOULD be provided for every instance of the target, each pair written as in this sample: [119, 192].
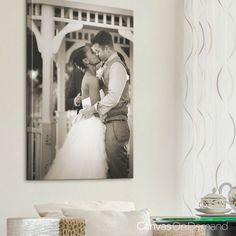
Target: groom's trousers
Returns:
[116, 139]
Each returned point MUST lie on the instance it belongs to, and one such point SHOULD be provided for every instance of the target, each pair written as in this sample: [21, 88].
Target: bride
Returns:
[83, 154]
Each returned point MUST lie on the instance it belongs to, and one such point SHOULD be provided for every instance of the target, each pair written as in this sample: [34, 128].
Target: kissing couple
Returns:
[96, 145]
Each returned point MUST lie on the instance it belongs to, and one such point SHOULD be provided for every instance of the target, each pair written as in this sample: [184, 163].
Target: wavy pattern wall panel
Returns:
[209, 99]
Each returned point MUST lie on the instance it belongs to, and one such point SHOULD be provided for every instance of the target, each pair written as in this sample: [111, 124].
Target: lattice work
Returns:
[91, 18]
[87, 35]
[61, 13]
[34, 9]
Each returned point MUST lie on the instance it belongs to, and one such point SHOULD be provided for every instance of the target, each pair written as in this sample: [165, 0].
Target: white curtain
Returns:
[209, 98]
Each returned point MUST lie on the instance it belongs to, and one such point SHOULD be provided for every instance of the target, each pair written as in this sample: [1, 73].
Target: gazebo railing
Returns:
[37, 165]
[90, 18]
[34, 140]
[86, 35]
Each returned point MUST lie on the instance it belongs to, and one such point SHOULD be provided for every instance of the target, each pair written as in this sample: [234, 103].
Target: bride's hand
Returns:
[88, 112]
[78, 100]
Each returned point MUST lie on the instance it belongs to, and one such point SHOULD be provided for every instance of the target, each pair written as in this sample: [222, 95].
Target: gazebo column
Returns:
[48, 126]
[58, 49]
[61, 126]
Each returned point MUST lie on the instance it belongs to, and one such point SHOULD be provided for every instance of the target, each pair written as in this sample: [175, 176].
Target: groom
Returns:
[113, 107]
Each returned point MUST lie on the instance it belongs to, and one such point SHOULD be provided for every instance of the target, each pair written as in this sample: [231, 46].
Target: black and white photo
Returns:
[79, 91]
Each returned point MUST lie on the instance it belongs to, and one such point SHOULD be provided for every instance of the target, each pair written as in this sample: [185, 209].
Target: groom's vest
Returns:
[120, 111]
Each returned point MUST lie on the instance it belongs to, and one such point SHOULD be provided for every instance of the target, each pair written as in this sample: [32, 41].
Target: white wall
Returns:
[158, 37]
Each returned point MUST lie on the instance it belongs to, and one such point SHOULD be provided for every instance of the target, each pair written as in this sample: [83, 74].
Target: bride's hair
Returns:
[80, 55]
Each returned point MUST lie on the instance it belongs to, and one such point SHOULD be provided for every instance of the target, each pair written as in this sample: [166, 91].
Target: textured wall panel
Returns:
[209, 98]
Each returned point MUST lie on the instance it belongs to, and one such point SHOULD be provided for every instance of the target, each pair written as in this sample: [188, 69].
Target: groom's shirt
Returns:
[115, 81]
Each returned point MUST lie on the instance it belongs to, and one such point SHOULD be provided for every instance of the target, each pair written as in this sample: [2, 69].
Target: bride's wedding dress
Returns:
[83, 154]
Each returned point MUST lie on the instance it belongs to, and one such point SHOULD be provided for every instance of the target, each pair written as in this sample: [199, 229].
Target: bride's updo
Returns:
[80, 55]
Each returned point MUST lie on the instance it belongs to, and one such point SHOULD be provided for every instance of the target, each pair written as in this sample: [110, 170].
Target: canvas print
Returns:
[79, 78]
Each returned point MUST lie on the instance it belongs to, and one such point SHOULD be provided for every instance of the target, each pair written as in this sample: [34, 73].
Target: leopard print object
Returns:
[72, 227]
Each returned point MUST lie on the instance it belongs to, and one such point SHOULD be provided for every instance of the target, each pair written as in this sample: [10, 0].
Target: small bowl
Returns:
[211, 201]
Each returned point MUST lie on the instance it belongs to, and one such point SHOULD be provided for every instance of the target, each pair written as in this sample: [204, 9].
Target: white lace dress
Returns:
[83, 155]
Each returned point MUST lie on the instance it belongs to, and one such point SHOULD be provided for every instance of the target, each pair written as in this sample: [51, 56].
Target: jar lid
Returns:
[215, 195]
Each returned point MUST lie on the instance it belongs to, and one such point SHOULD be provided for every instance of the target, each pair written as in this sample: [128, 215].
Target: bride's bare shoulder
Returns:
[92, 79]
